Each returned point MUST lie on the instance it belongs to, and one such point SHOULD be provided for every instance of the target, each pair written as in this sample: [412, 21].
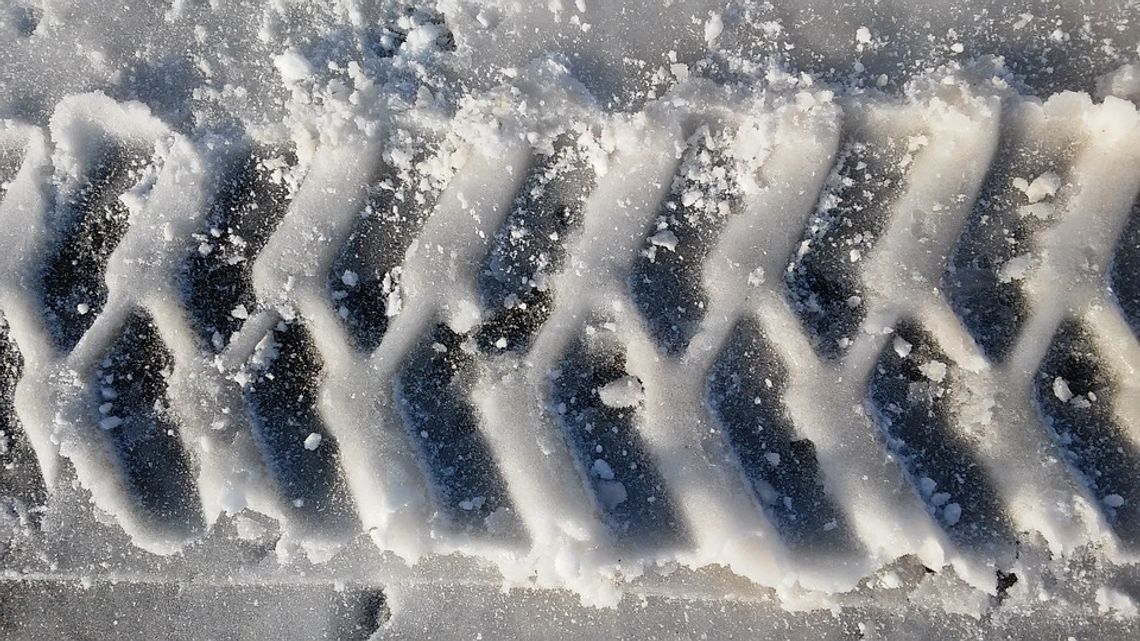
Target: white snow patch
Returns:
[934, 370]
[293, 66]
[312, 441]
[664, 238]
[1042, 187]
[1016, 268]
[1111, 600]
[1061, 390]
[714, 26]
[624, 392]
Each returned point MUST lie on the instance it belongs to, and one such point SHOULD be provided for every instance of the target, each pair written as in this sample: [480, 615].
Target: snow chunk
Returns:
[612, 494]
[1015, 268]
[1061, 390]
[952, 514]
[349, 278]
[927, 485]
[110, 423]
[714, 26]
[934, 370]
[1113, 500]
[602, 470]
[902, 347]
[1042, 187]
[863, 36]
[422, 38]
[624, 392]
[312, 441]
[664, 238]
[293, 66]
[1122, 83]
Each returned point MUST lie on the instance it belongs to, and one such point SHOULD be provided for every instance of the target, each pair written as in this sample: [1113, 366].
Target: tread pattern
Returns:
[252, 198]
[745, 390]
[823, 280]
[910, 392]
[21, 483]
[1074, 392]
[531, 247]
[907, 374]
[434, 386]
[301, 454]
[90, 222]
[365, 280]
[133, 410]
[610, 451]
[665, 281]
[981, 280]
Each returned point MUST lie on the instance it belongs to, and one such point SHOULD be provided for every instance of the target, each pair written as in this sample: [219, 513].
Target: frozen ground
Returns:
[569, 319]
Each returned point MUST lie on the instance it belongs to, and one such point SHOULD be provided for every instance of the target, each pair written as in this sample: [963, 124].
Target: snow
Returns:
[952, 513]
[316, 79]
[664, 238]
[934, 370]
[1061, 389]
[901, 346]
[1113, 500]
[602, 470]
[1016, 268]
[1043, 186]
[293, 66]
[312, 441]
[624, 392]
[1112, 600]
[714, 26]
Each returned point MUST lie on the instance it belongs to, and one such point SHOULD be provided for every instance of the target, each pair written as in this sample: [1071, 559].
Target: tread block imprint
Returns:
[253, 190]
[591, 400]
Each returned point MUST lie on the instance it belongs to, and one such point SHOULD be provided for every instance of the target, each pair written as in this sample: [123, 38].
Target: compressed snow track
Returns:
[648, 362]
[770, 350]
